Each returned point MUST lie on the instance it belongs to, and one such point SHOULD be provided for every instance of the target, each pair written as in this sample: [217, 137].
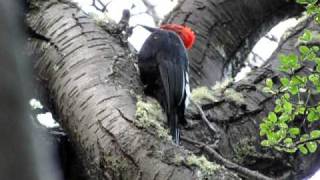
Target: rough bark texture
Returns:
[92, 84]
[226, 32]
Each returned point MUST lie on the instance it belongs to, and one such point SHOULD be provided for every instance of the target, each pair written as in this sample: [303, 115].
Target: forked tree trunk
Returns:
[92, 83]
[226, 32]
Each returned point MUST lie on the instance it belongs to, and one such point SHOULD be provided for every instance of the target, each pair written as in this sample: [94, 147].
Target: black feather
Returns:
[163, 65]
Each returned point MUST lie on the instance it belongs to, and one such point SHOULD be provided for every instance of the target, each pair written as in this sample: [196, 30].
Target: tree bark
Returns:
[226, 31]
[92, 84]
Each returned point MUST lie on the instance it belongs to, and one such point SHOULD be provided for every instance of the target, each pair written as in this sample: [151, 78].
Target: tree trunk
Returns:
[92, 84]
[226, 32]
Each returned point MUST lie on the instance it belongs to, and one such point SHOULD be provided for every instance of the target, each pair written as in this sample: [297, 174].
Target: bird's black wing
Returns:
[147, 59]
[173, 68]
[173, 79]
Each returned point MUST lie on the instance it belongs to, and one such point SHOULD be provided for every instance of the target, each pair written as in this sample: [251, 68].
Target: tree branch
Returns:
[103, 7]
[240, 169]
[151, 11]
[213, 127]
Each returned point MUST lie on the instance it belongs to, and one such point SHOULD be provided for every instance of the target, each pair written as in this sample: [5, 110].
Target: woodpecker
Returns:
[164, 68]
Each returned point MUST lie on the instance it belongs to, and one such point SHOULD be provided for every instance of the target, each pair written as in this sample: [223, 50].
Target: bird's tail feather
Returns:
[174, 127]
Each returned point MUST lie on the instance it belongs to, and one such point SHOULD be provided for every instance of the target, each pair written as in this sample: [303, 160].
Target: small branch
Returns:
[306, 108]
[195, 143]
[152, 12]
[103, 7]
[311, 43]
[306, 141]
[240, 169]
[121, 30]
[257, 56]
[271, 38]
[296, 144]
[211, 125]
[139, 13]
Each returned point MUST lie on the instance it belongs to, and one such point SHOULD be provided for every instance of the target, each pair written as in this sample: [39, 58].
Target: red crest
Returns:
[186, 34]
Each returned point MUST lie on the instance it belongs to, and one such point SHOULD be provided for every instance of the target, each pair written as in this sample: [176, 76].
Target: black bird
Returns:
[164, 68]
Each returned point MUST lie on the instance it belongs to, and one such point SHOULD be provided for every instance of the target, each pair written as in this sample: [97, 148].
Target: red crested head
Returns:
[186, 34]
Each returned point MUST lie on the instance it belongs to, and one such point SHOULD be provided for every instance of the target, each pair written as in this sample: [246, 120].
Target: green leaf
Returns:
[284, 117]
[317, 18]
[283, 59]
[302, 1]
[288, 141]
[272, 117]
[283, 125]
[317, 60]
[311, 56]
[294, 90]
[303, 150]
[269, 83]
[283, 68]
[314, 78]
[301, 109]
[290, 150]
[263, 129]
[315, 48]
[265, 143]
[294, 131]
[284, 81]
[311, 9]
[297, 80]
[268, 90]
[278, 108]
[304, 50]
[287, 106]
[318, 67]
[312, 1]
[272, 138]
[312, 116]
[312, 146]
[307, 36]
[293, 60]
[304, 137]
[286, 96]
[315, 134]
